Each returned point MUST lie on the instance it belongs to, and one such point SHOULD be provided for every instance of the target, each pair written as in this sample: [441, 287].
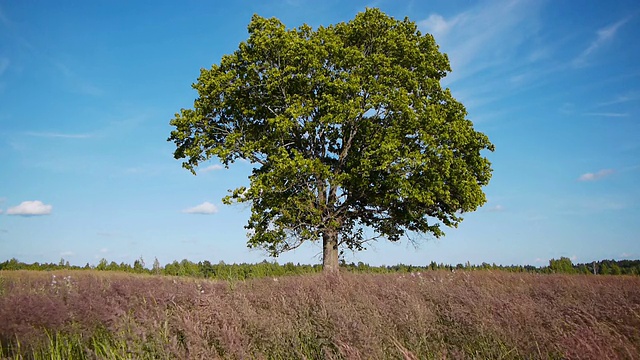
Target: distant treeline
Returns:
[221, 270]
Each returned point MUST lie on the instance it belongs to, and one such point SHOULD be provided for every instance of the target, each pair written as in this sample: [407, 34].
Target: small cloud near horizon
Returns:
[596, 176]
[30, 208]
[206, 208]
[67, 253]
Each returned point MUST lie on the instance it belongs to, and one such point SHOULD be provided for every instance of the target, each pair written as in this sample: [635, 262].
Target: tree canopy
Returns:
[348, 128]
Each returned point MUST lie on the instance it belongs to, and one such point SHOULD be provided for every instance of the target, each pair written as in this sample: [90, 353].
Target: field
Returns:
[428, 315]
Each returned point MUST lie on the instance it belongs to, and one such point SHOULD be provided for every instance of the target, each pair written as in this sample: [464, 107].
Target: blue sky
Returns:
[87, 89]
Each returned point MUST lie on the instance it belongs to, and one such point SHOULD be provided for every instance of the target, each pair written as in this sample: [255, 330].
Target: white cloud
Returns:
[595, 176]
[67, 253]
[30, 208]
[437, 26]
[204, 208]
[104, 250]
[496, 208]
[604, 35]
[212, 168]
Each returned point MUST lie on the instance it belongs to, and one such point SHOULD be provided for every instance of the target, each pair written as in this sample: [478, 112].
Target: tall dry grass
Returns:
[438, 314]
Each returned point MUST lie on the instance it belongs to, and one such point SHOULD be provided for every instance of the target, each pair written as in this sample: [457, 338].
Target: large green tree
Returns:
[351, 135]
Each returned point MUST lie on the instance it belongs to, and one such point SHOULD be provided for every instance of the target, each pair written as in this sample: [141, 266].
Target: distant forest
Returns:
[222, 271]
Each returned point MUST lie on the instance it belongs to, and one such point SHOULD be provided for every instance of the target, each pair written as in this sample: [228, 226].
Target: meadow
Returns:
[73, 314]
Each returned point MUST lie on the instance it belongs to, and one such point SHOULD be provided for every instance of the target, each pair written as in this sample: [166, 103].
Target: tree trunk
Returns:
[330, 253]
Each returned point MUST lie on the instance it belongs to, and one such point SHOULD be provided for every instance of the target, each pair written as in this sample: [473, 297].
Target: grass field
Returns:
[430, 315]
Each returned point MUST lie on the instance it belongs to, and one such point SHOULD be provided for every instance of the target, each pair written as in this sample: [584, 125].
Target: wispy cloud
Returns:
[212, 168]
[30, 208]
[603, 36]
[4, 20]
[488, 35]
[604, 205]
[59, 135]
[4, 64]
[107, 234]
[620, 99]
[205, 208]
[80, 85]
[438, 26]
[595, 176]
[496, 208]
[607, 114]
[76, 82]
[67, 253]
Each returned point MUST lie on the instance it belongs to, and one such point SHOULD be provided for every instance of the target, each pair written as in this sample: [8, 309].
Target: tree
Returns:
[138, 265]
[157, 268]
[349, 129]
[563, 265]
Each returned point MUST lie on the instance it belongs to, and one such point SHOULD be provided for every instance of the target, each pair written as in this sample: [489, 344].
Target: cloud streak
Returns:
[4, 64]
[603, 36]
[59, 135]
[30, 208]
[595, 176]
[631, 96]
[607, 114]
[4, 20]
[206, 208]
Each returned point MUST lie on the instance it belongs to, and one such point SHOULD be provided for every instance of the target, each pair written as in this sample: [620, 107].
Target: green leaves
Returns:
[347, 125]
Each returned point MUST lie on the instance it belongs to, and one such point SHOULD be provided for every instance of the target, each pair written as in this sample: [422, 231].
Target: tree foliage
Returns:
[348, 127]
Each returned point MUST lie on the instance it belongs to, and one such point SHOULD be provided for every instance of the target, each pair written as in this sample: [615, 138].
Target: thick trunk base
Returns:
[330, 252]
